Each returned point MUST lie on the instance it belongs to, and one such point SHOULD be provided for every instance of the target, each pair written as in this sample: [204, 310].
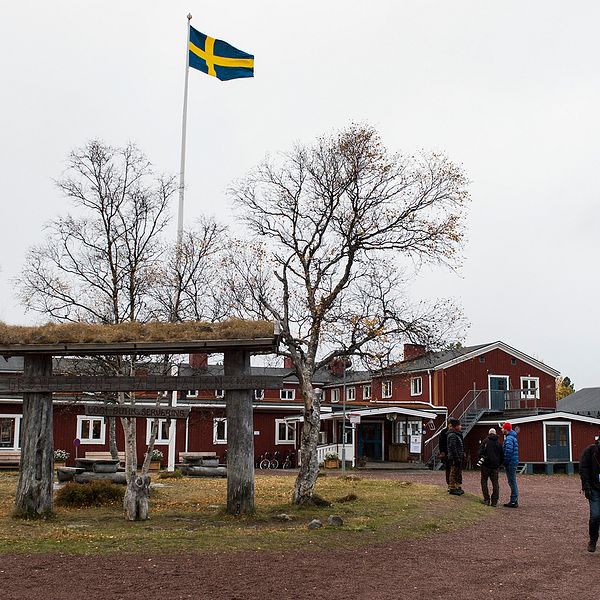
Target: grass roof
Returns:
[82, 333]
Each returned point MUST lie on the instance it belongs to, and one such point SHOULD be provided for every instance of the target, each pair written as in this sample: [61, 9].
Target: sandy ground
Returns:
[537, 551]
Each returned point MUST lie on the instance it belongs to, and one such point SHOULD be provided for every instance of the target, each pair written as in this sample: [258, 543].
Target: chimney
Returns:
[199, 361]
[338, 365]
[288, 363]
[412, 351]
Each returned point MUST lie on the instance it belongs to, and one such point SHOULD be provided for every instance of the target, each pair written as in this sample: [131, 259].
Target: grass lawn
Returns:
[188, 515]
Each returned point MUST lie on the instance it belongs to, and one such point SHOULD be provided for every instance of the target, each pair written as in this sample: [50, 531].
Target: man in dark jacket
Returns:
[456, 453]
[491, 457]
[444, 453]
[589, 471]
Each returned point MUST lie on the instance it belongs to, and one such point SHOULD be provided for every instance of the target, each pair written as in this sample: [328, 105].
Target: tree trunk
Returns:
[240, 438]
[135, 502]
[112, 438]
[304, 487]
[34, 490]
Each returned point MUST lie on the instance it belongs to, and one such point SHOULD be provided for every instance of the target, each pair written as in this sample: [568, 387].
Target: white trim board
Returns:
[558, 423]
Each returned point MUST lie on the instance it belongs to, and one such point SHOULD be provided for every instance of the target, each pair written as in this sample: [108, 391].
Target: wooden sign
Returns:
[146, 412]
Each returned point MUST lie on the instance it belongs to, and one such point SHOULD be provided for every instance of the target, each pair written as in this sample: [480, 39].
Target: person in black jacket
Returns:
[444, 453]
[456, 454]
[589, 471]
[491, 456]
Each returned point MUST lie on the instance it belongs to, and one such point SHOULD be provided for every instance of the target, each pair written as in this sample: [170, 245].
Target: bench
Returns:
[10, 459]
[184, 456]
[104, 456]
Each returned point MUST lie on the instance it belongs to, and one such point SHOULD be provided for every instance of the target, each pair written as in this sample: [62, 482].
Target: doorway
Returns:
[370, 441]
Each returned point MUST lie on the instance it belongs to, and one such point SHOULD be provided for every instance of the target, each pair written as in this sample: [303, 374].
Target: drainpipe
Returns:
[429, 373]
[172, 428]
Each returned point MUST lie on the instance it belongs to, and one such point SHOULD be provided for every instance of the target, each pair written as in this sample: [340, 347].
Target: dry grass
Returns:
[79, 333]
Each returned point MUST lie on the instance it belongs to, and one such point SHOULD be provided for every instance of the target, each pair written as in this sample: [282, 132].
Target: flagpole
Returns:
[183, 136]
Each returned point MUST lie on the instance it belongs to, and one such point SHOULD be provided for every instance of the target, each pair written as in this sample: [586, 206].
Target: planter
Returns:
[155, 465]
[331, 463]
[59, 464]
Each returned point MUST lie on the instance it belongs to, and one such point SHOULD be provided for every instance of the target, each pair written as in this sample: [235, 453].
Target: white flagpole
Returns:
[183, 134]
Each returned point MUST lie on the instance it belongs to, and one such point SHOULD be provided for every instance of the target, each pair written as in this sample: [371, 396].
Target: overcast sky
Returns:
[510, 90]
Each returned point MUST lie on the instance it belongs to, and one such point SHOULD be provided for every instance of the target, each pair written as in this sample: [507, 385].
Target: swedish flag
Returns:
[218, 58]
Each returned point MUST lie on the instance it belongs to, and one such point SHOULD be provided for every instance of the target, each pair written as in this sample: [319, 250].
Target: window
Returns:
[220, 430]
[323, 437]
[192, 393]
[285, 433]
[287, 394]
[351, 393]
[482, 359]
[219, 393]
[10, 431]
[402, 431]
[386, 389]
[530, 387]
[366, 392]
[259, 394]
[416, 386]
[513, 361]
[163, 434]
[335, 395]
[91, 430]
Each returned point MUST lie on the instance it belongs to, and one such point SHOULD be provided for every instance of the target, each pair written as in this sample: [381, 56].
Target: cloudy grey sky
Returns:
[509, 89]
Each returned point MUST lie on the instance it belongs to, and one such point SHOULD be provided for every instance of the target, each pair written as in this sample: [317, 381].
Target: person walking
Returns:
[456, 454]
[511, 460]
[589, 472]
[443, 455]
[491, 457]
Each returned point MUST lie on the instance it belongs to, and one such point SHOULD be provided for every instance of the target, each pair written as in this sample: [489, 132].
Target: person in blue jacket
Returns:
[511, 460]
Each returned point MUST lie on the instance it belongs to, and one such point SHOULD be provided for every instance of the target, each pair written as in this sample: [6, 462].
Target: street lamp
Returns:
[347, 363]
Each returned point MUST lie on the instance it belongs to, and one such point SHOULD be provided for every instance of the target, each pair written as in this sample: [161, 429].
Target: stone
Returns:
[283, 517]
[315, 524]
[335, 520]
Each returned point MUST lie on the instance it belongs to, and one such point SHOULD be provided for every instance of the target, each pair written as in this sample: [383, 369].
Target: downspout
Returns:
[430, 391]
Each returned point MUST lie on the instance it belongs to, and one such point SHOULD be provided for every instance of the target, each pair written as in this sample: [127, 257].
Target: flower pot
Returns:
[331, 463]
[155, 465]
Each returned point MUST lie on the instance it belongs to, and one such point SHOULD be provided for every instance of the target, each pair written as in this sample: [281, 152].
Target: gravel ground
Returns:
[537, 551]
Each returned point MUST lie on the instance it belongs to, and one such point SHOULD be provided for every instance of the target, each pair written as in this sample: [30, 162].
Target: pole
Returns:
[344, 420]
[183, 135]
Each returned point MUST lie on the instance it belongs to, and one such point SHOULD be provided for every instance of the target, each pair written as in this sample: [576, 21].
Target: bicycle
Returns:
[268, 462]
[289, 461]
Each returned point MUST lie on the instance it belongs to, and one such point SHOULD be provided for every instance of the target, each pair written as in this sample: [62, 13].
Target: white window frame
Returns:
[287, 394]
[400, 436]
[290, 427]
[259, 394]
[350, 393]
[216, 422]
[159, 441]
[550, 423]
[387, 389]
[219, 393]
[88, 441]
[191, 394]
[416, 386]
[367, 392]
[526, 394]
[335, 395]
[16, 433]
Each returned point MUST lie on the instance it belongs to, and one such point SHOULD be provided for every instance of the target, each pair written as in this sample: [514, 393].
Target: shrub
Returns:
[61, 455]
[96, 493]
[177, 474]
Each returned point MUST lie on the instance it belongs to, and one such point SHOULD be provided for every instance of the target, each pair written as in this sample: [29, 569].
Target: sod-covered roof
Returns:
[156, 337]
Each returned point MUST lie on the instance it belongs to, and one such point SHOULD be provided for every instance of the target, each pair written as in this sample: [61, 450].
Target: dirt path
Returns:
[537, 551]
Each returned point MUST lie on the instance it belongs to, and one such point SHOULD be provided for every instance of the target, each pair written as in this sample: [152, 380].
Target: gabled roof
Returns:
[584, 401]
[444, 359]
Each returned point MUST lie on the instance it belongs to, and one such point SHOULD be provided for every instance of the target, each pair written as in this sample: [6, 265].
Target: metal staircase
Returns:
[468, 411]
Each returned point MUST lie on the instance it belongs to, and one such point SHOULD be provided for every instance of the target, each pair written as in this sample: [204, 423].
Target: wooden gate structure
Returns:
[34, 491]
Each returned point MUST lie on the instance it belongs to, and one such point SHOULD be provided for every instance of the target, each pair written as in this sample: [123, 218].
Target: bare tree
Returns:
[107, 265]
[333, 223]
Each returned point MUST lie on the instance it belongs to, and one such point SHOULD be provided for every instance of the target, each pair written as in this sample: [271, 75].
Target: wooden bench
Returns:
[10, 459]
[104, 456]
[186, 455]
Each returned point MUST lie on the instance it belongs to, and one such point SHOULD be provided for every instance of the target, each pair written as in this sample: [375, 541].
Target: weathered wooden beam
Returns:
[150, 383]
[148, 412]
[34, 489]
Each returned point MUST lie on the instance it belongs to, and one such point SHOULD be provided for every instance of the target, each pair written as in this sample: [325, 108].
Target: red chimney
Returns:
[199, 361]
[288, 363]
[414, 351]
[338, 365]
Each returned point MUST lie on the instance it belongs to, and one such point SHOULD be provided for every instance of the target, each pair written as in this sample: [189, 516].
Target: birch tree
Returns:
[339, 228]
[108, 263]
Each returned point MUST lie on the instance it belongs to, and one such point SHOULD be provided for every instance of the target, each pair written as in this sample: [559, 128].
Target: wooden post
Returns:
[240, 437]
[34, 490]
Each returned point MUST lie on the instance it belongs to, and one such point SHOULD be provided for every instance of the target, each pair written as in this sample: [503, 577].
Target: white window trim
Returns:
[384, 385]
[365, 395]
[283, 393]
[194, 394]
[335, 395]
[291, 427]
[17, 432]
[537, 387]
[260, 395]
[219, 393]
[413, 381]
[490, 375]
[159, 441]
[101, 441]
[351, 393]
[549, 424]
[217, 420]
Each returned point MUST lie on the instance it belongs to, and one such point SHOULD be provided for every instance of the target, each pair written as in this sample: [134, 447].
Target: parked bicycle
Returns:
[269, 461]
[289, 461]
